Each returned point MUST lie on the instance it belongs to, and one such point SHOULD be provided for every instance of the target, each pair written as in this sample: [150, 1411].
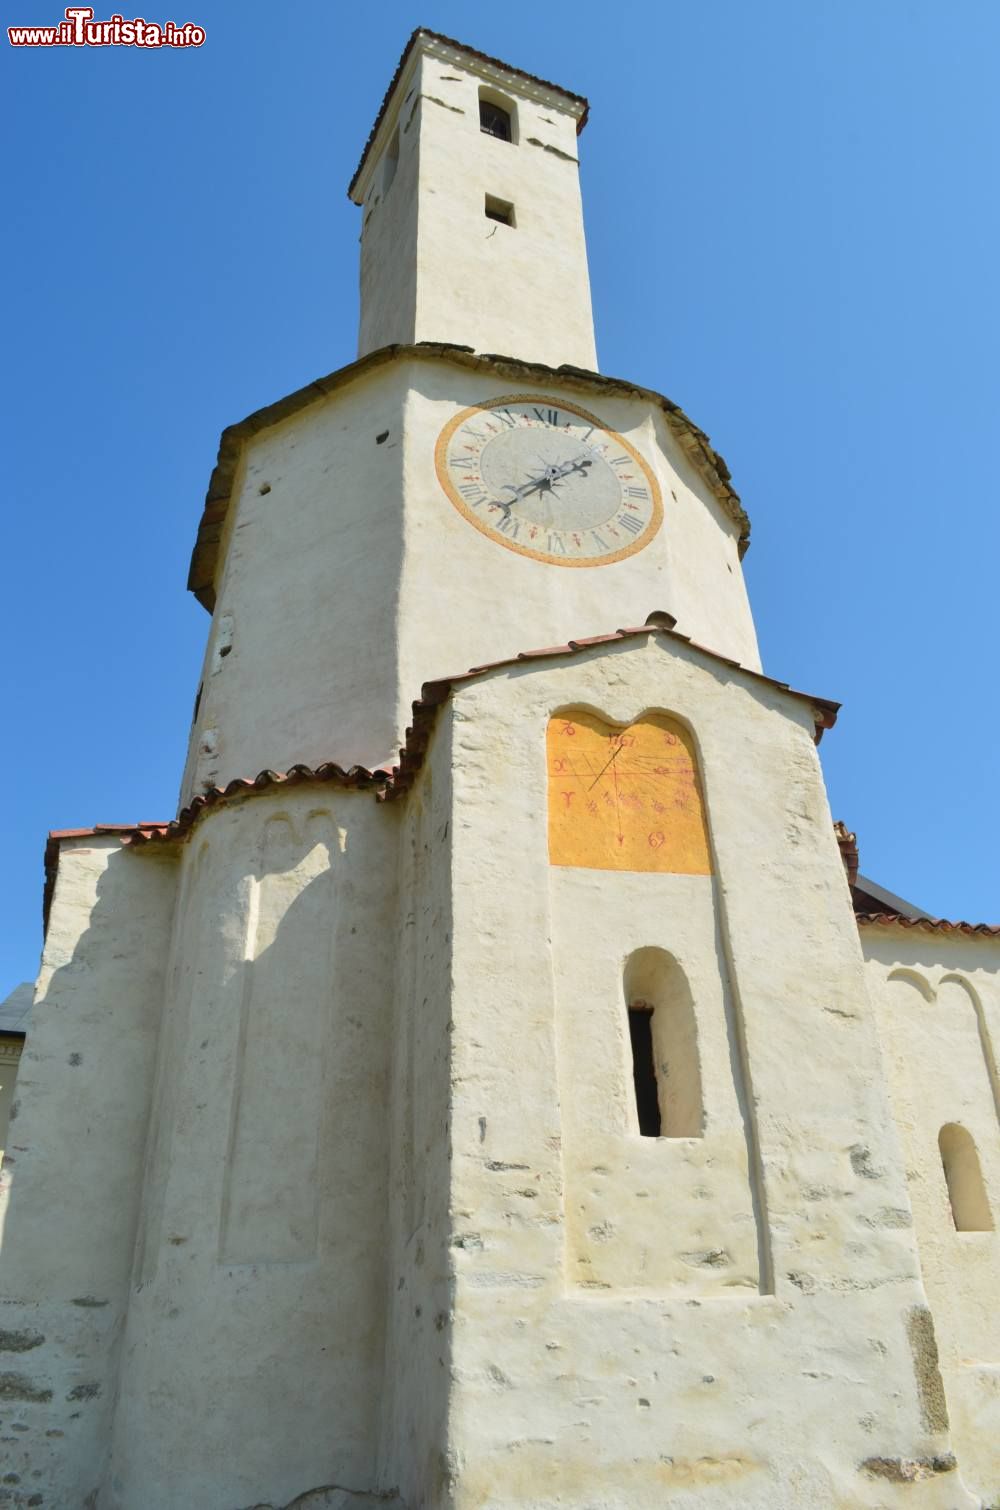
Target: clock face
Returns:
[548, 480]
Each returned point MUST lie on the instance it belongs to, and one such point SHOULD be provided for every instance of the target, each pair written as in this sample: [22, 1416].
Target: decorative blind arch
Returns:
[970, 1205]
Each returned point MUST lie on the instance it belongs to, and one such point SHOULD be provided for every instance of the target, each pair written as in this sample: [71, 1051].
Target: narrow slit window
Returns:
[970, 1207]
[499, 210]
[664, 1034]
[647, 1101]
[494, 120]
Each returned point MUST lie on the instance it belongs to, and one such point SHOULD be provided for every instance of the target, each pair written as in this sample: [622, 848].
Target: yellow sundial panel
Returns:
[625, 797]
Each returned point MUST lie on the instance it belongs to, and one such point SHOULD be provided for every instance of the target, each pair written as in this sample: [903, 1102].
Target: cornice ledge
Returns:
[694, 442]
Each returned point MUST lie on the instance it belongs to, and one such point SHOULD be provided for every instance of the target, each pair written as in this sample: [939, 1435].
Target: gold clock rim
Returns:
[455, 498]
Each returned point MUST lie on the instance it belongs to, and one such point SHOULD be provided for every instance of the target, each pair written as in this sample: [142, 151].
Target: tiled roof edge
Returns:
[693, 441]
[929, 925]
[57, 835]
[390, 784]
[434, 693]
[848, 850]
[178, 828]
[472, 52]
[357, 778]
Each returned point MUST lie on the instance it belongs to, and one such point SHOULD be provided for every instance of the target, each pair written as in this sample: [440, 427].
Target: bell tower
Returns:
[472, 228]
[470, 484]
[473, 1099]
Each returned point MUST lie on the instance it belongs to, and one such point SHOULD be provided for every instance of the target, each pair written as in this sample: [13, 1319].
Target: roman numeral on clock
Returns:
[534, 473]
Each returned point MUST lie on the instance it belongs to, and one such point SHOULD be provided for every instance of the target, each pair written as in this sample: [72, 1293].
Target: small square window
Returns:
[499, 210]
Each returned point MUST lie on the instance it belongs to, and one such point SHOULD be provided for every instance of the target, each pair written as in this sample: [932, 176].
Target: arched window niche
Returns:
[970, 1207]
[497, 115]
[663, 1032]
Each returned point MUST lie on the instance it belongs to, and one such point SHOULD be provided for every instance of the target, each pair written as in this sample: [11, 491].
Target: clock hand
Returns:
[580, 465]
[552, 475]
[543, 484]
[517, 494]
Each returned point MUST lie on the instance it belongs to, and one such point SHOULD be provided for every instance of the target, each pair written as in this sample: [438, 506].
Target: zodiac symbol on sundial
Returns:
[625, 797]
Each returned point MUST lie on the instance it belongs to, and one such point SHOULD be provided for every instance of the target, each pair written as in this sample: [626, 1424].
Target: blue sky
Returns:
[792, 225]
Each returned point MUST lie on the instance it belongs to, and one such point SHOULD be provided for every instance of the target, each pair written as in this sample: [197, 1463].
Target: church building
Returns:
[496, 1087]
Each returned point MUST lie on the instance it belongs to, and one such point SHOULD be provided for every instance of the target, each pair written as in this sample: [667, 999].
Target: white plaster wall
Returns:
[823, 1389]
[73, 1165]
[466, 600]
[701, 1238]
[307, 596]
[10, 1053]
[353, 579]
[388, 239]
[253, 1354]
[938, 1001]
[381, 1142]
[522, 290]
[417, 1377]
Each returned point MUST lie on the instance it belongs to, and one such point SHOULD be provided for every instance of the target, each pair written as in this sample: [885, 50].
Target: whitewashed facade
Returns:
[331, 1181]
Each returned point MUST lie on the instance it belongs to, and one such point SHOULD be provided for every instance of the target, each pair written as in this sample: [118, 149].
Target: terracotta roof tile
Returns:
[886, 918]
[57, 835]
[848, 851]
[930, 925]
[387, 785]
[358, 778]
[434, 693]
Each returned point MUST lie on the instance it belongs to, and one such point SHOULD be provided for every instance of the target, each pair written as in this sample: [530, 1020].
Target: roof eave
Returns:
[480, 62]
[694, 442]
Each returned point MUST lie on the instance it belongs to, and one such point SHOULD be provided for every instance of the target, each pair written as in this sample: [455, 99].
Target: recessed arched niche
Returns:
[663, 1034]
[625, 796]
[970, 1207]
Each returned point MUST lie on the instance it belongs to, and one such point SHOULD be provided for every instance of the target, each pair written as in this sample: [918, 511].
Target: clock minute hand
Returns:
[536, 484]
[580, 465]
[552, 475]
[541, 484]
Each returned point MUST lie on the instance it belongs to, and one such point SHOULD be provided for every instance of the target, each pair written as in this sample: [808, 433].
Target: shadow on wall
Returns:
[268, 1163]
[268, 1142]
[72, 1174]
